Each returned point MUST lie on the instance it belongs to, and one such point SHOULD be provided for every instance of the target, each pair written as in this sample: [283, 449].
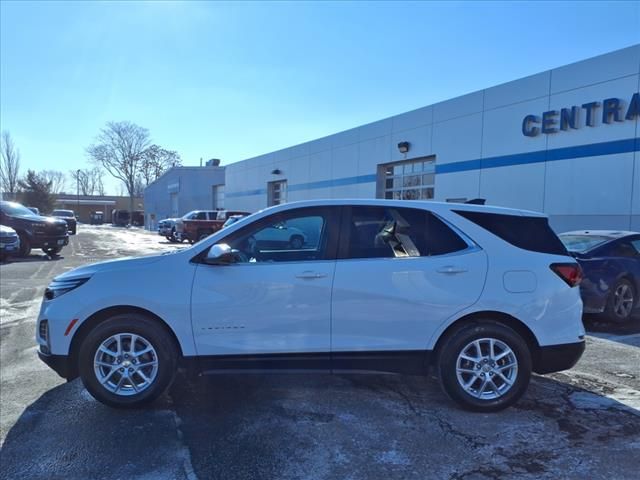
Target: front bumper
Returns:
[10, 248]
[58, 363]
[555, 358]
[50, 241]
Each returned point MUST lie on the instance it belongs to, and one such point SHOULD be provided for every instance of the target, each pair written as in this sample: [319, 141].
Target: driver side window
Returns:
[288, 237]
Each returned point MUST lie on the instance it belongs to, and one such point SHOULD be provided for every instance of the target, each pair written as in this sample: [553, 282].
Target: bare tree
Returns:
[10, 165]
[156, 161]
[58, 180]
[88, 181]
[119, 149]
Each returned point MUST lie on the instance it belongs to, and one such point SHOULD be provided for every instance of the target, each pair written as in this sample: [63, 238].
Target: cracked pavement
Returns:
[584, 423]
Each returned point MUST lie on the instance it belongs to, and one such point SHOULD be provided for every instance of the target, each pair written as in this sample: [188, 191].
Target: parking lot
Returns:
[584, 423]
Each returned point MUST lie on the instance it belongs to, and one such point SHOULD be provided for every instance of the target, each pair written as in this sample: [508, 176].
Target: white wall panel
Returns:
[518, 186]
[344, 161]
[502, 131]
[590, 185]
[373, 152]
[457, 140]
[415, 118]
[521, 90]
[457, 185]
[375, 129]
[458, 107]
[598, 69]
[320, 166]
[420, 140]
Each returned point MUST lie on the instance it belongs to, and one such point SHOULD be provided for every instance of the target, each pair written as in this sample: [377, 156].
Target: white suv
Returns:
[486, 295]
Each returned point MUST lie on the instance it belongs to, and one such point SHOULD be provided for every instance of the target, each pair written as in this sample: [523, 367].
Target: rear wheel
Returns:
[25, 245]
[127, 361]
[621, 301]
[485, 366]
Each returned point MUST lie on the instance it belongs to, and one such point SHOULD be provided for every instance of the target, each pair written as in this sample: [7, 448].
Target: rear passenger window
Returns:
[529, 233]
[382, 232]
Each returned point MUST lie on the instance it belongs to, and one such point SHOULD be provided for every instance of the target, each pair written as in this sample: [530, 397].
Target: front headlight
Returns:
[60, 287]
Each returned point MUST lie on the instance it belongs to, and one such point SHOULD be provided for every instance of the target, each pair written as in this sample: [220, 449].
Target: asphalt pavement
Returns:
[584, 423]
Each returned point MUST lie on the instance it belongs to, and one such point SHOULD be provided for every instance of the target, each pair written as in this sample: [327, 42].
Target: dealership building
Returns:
[564, 142]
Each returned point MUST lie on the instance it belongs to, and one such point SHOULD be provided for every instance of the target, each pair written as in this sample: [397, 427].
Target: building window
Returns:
[409, 180]
[217, 196]
[277, 192]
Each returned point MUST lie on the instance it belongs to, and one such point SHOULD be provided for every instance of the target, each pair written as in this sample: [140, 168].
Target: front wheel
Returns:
[25, 245]
[127, 361]
[296, 242]
[485, 366]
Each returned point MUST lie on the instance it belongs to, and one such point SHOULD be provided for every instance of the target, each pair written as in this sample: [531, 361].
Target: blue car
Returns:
[610, 261]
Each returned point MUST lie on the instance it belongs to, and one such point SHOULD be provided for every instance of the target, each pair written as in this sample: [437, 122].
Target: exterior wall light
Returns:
[277, 171]
[403, 147]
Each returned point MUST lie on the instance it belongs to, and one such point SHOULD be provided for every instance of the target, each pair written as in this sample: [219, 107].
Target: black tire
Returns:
[25, 245]
[203, 234]
[296, 242]
[75, 229]
[613, 311]
[456, 345]
[154, 334]
[52, 251]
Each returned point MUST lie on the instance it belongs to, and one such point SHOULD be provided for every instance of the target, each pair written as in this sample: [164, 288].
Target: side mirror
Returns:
[219, 254]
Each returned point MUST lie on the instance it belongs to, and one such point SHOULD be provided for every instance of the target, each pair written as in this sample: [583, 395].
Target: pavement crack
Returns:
[184, 453]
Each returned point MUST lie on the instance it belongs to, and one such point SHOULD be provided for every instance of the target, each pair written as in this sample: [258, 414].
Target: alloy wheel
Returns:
[126, 364]
[623, 300]
[486, 368]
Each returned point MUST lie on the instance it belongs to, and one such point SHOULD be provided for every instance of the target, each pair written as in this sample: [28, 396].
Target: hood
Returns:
[6, 230]
[109, 266]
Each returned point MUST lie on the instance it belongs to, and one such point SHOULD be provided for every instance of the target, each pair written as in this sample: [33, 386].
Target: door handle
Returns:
[451, 270]
[310, 275]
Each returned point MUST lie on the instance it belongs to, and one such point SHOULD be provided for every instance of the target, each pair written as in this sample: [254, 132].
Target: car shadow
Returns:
[251, 426]
[627, 333]
[43, 257]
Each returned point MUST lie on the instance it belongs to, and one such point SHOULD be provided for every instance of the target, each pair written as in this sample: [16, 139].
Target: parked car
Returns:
[35, 231]
[232, 219]
[35, 210]
[610, 261]
[120, 218]
[137, 218]
[9, 242]
[167, 229]
[199, 224]
[96, 218]
[68, 216]
[485, 295]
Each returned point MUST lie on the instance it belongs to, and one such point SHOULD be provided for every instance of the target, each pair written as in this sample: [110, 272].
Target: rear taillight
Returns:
[571, 273]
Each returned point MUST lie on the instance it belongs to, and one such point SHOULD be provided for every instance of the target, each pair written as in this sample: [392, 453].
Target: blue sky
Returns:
[234, 80]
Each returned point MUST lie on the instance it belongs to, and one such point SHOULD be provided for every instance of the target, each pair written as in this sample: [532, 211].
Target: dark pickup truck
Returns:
[35, 231]
[199, 224]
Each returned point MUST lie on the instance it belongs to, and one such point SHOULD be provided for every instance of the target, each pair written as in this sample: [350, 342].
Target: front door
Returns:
[275, 299]
[400, 273]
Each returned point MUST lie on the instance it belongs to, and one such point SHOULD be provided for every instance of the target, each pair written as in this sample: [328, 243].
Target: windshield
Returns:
[16, 210]
[62, 213]
[582, 243]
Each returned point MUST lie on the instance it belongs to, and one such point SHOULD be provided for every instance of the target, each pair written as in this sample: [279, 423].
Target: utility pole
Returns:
[78, 192]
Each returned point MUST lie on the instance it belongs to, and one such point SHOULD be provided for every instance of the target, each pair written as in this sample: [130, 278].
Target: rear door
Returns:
[400, 273]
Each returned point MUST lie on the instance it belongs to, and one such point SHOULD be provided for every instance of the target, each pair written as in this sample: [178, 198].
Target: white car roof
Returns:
[425, 204]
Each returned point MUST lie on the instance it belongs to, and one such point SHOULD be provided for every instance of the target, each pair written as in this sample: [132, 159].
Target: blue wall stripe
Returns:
[591, 150]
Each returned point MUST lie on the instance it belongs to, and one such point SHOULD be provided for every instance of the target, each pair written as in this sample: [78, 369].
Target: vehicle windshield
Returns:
[16, 210]
[62, 213]
[231, 221]
[582, 243]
